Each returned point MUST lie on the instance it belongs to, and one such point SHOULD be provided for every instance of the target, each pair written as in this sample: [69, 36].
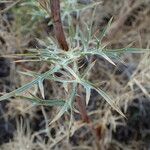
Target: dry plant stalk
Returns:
[59, 32]
[54, 6]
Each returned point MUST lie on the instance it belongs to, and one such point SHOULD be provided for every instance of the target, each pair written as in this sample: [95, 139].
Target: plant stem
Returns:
[85, 118]
[58, 28]
[82, 110]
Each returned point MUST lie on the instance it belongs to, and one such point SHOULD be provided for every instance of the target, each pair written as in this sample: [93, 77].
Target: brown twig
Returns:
[82, 109]
[86, 119]
[59, 32]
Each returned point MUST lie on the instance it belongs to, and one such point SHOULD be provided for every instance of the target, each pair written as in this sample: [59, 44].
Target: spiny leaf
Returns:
[109, 101]
[127, 50]
[29, 73]
[19, 90]
[29, 85]
[41, 87]
[38, 101]
[61, 112]
[67, 105]
[73, 94]
[88, 94]
[103, 94]
[107, 58]
[65, 85]
[71, 71]
[86, 71]
[104, 32]
[99, 53]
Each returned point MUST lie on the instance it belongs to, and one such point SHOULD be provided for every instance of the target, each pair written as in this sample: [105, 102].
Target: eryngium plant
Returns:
[66, 63]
